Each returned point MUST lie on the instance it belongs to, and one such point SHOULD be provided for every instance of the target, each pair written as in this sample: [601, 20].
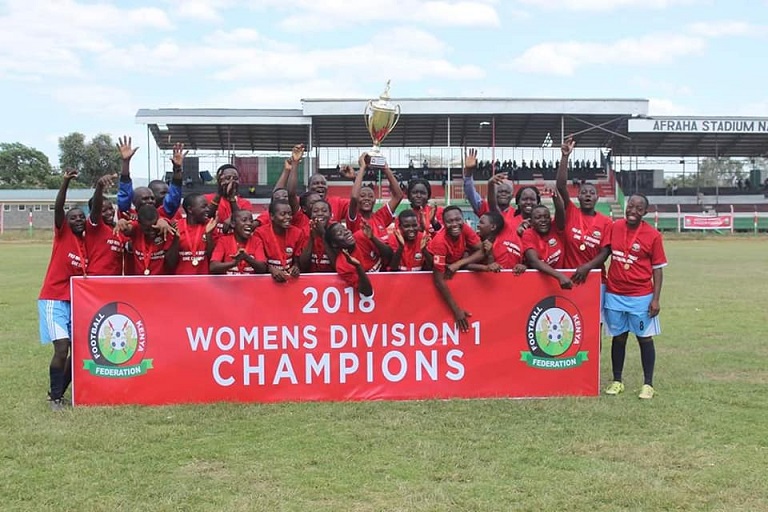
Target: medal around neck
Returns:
[381, 116]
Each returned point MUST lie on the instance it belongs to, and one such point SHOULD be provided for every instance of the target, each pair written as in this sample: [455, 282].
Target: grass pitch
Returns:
[701, 444]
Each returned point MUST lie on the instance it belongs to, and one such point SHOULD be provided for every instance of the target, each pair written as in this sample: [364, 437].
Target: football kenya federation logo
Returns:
[553, 334]
[117, 342]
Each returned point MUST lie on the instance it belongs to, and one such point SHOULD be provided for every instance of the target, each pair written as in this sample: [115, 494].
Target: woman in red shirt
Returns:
[240, 252]
[542, 245]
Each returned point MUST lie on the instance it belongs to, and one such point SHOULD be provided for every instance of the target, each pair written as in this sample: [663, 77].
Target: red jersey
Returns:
[298, 219]
[105, 249]
[412, 257]
[191, 249]
[227, 246]
[584, 236]
[319, 260]
[425, 213]
[366, 253]
[68, 258]
[445, 250]
[549, 247]
[280, 250]
[149, 254]
[508, 248]
[339, 207]
[635, 253]
[379, 222]
[483, 208]
[224, 210]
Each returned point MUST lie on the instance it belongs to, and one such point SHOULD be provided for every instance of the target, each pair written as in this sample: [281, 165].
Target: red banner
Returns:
[707, 221]
[164, 340]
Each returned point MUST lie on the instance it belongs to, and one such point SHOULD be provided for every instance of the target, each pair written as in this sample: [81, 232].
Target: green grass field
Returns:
[700, 445]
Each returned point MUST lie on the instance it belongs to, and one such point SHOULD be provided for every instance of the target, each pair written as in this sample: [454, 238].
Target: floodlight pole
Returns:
[448, 181]
[493, 145]
[148, 157]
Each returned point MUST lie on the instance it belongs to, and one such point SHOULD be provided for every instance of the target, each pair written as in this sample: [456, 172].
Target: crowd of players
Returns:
[155, 232]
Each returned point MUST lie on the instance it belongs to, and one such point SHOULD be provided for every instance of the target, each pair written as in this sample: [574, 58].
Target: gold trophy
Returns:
[381, 116]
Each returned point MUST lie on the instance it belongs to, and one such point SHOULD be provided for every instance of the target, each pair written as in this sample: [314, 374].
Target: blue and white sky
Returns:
[88, 66]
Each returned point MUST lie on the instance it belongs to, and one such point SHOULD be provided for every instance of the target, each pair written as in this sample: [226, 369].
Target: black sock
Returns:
[618, 351]
[648, 358]
[67, 375]
[57, 382]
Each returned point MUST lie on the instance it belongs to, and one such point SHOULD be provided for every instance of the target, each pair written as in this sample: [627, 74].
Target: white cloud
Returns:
[725, 28]
[315, 15]
[666, 107]
[565, 58]
[201, 10]
[287, 95]
[402, 54]
[98, 100]
[50, 37]
[605, 5]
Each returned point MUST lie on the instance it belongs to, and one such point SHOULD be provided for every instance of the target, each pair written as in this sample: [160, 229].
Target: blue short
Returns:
[55, 320]
[629, 314]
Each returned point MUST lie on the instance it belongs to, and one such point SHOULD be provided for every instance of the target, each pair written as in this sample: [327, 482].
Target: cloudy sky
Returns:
[80, 65]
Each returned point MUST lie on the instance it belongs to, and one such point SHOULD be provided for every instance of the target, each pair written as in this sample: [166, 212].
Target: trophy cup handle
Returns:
[397, 118]
[365, 115]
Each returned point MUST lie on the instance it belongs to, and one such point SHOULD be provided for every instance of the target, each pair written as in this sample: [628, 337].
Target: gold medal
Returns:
[626, 266]
[582, 247]
[194, 262]
[146, 271]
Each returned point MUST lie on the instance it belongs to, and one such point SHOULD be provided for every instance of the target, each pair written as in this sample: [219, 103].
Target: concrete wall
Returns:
[13, 218]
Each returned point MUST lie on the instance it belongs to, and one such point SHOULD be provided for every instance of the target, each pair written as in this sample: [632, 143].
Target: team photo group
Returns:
[156, 230]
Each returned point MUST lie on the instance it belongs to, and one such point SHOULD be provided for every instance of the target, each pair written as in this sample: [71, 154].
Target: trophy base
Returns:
[377, 162]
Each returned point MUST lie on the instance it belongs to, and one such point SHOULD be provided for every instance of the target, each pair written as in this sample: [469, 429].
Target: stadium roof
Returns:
[620, 124]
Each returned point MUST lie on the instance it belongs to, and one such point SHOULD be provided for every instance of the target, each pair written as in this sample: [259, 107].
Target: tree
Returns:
[719, 171]
[93, 159]
[25, 167]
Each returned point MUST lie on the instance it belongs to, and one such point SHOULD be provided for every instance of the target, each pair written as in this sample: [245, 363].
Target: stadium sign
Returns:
[248, 339]
[699, 125]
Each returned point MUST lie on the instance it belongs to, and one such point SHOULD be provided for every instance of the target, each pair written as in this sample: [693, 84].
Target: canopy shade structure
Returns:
[622, 125]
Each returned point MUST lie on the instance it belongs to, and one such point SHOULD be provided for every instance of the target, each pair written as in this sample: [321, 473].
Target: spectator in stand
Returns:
[747, 184]
[739, 184]
[765, 184]
[633, 290]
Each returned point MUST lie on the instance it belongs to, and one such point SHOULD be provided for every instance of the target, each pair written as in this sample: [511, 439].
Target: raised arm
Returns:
[496, 180]
[98, 197]
[562, 170]
[59, 215]
[293, 177]
[357, 185]
[395, 192]
[172, 199]
[470, 192]
[125, 190]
